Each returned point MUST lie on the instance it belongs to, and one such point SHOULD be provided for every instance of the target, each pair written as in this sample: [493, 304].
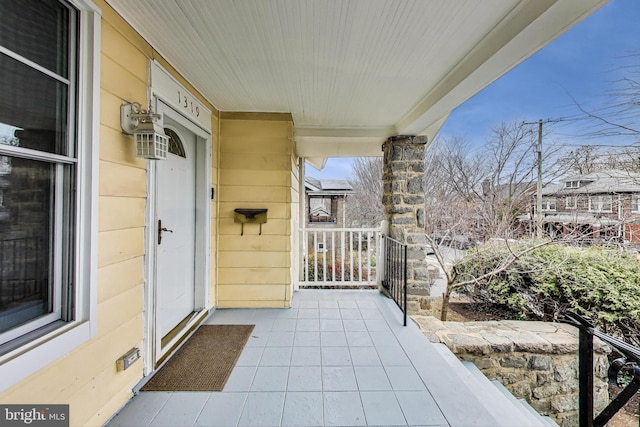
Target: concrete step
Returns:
[498, 405]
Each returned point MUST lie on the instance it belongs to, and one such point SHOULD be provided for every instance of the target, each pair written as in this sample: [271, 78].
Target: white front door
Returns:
[176, 229]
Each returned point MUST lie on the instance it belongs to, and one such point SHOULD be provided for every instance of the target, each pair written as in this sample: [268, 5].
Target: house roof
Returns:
[350, 72]
[327, 187]
[605, 181]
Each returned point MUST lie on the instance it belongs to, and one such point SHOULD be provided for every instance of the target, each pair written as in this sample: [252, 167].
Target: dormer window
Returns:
[572, 184]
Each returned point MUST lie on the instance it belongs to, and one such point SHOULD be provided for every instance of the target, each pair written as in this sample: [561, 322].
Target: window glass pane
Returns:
[33, 108]
[37, 30]
[27, 231]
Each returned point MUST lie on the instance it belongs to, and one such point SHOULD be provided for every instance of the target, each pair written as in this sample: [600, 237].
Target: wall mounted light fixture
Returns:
[149, 137]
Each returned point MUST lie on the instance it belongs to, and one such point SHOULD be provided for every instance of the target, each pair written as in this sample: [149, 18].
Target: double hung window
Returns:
[46, 116]
[600, 203]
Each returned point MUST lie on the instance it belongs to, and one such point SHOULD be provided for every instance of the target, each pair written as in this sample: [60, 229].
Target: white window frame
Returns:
[37, 353]
[572, 184]
[596, 203]
[573, 205]
[635, 203]
[549, 204]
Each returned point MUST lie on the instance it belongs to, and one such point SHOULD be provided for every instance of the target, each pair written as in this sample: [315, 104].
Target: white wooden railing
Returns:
[340, 257]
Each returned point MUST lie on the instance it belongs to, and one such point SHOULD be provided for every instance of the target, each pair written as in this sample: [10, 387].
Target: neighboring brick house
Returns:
[599, 207]
[326, 201]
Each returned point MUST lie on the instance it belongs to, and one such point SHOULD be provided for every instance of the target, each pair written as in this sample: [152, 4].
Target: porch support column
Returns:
[403, 202]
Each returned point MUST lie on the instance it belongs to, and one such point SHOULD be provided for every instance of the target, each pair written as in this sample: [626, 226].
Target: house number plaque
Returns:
[173, 93]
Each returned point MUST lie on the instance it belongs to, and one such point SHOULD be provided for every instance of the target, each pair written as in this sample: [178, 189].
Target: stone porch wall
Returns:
[536, 361]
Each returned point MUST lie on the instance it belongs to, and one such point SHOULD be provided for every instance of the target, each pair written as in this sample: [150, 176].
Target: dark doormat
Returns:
[204, 362]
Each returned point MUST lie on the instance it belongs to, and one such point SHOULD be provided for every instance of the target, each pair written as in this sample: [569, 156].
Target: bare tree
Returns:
[481, 192]
[618, 114]
[591, 158]
[364, 206]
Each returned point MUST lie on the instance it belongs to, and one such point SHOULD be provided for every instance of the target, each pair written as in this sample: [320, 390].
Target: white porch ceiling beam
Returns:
[531, 25]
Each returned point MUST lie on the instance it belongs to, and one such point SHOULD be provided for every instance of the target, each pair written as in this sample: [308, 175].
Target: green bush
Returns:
[598, 282]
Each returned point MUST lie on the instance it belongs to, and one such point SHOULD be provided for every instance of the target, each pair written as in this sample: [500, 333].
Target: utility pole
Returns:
[538, 211]
[539, 184]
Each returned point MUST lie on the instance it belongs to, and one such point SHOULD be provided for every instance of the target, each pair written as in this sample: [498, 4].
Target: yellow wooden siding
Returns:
[86, 378]
[117, 213]
[114, 279]
[255, 172]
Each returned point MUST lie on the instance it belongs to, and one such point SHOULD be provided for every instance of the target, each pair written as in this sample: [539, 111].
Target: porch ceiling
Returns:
[351, 72]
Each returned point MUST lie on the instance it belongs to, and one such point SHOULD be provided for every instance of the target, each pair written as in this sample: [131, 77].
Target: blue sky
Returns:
[581, 64]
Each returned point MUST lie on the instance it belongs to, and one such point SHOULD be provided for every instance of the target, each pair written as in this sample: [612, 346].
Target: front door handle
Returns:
[161, 229]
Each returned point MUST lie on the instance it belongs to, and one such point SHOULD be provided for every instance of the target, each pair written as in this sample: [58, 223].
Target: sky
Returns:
[582, 64]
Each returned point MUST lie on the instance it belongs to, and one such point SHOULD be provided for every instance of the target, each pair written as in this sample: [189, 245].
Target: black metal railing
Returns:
[395, 273]
[629, 362]
[21, 270]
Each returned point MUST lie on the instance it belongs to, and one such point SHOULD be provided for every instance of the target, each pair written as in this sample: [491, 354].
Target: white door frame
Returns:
[152, 350]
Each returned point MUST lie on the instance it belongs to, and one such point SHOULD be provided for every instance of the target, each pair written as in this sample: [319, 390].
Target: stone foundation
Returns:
[536, 361]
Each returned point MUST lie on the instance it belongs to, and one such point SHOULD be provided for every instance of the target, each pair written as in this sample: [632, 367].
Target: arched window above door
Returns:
[175, 144]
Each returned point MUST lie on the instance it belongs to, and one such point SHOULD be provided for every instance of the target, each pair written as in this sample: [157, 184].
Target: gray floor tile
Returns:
[308, 325]
[382, 409]
[284, 325]
[263, 409]
[393, 356]
[303, 409]
[280, 339]
[328, 304]
[372, 378]
[240, 379]
[286, 313]
[222, 410]
[250, 356]
[366, 304]
[270, 378]
[404, 378]
[330, 313]
[331, 325]
[336, 356]
[343, 409]
[258, 339]
[350, 313]
[305, 378]
[227, 316]
[355, 325]
[140, 410]
[308, 313]
[306, 356]
[311, 303]
[364, 356]
[347, 303]
[419, 408]
[367, 313]
[377, 325]
[276, 356]
[358, 339]
[333, 339]
[181, 409]
[306, 339]
[383, 339]
[338, 378]
[263, 325]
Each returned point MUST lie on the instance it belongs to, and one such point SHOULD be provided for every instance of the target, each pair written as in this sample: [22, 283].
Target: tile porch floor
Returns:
[336, 358]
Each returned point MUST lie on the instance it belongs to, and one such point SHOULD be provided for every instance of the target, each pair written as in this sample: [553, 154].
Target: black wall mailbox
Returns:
[250, 216]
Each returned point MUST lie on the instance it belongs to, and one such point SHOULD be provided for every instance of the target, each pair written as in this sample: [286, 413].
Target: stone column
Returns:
[403, 203]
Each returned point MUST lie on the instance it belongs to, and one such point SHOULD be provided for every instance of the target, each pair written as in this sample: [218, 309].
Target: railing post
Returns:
[585, 370]
[404, 308]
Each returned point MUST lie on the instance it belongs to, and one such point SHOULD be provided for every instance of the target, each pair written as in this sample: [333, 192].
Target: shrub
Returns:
[598, 282]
